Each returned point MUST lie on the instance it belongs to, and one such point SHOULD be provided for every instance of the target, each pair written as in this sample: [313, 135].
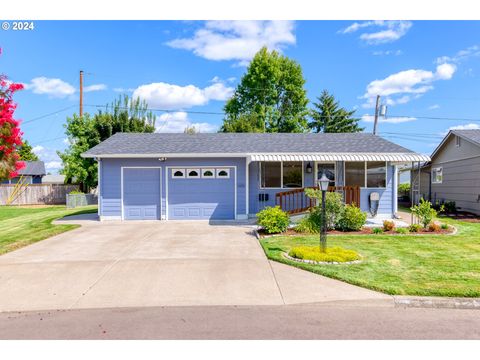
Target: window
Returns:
[193, 173]
[355, 174]
[328, 170]
[178, 173]
[271, 174]
[376, 174]
[292, 174]
[223, 173]
[208, 173]
[458, 141]
[278, 174]
[437, 175]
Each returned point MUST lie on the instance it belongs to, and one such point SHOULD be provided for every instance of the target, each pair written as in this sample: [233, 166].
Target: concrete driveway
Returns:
[139, 264]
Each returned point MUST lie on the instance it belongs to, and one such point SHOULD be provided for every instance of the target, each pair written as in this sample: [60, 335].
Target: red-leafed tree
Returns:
[10, 134]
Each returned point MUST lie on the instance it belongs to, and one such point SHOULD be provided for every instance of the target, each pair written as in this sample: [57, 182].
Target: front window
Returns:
[437, 175]
[376, 174]
[355, 174]
[278, 174]
[328, 170]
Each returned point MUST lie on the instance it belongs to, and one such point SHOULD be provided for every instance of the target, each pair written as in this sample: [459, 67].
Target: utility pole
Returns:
[81, 93]
[377, 110]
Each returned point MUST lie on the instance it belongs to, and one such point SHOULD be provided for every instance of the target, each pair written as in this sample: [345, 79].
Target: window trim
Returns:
[178, 177]
[212, 170]
[365, 179]
[434, 180]
[281, 176]
[217, 170]
[193, 177]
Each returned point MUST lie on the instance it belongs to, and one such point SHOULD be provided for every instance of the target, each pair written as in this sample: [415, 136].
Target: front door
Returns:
[328, 169]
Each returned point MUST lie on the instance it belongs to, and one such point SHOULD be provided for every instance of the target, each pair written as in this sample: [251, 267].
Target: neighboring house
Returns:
[53, 179]
[453, 174]
[234, 175]
[32, 173]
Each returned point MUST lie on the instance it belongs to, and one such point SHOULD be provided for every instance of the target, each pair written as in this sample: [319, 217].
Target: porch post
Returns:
[395, 189]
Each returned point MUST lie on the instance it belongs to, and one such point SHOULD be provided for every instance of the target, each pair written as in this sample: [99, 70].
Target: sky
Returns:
[426, 72]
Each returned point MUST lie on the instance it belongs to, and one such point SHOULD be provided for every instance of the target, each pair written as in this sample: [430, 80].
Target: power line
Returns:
[47, 140]
[47, 115]
[433, 118]
[163, 110]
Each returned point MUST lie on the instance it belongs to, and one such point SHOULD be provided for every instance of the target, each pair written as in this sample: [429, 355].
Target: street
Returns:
[335, 321]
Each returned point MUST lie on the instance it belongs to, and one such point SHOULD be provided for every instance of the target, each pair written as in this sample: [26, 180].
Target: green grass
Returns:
[427, 265]
[21, 226]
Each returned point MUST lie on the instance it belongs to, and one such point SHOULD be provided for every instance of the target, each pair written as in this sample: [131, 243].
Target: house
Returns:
[54, 179]
[453, 174]
[32, 173]
[234, 175]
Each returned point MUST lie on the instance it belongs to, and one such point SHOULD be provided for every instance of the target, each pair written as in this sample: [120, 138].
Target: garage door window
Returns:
[178, 174]
[193, 173]
[208, 173]
[223, 173]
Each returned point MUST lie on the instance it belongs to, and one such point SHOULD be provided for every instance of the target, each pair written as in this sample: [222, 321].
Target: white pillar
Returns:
[395, 189]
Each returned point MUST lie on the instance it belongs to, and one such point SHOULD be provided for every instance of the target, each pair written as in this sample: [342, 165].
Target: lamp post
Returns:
[323, 185]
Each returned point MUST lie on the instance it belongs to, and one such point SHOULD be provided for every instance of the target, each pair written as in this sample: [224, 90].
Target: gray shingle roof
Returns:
[472, 135]
[242, 143]
[33, 168]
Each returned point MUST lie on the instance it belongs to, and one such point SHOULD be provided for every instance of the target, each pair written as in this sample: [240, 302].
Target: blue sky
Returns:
[423, 70]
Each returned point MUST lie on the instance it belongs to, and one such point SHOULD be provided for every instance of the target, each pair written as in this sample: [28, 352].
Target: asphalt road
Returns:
[244, 322]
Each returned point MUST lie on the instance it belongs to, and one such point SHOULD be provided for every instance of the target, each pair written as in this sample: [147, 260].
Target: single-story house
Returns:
[234, 175]
[453, 174]
[32, 173]
[54, 179]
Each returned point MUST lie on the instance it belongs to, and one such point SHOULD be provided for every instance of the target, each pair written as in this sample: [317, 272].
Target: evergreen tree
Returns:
[25, 151]
[329, 117]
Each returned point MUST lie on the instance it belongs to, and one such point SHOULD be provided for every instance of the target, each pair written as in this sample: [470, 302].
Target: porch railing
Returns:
[295, 201]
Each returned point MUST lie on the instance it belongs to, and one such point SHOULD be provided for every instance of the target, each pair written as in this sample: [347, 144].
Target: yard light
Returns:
[323, 185]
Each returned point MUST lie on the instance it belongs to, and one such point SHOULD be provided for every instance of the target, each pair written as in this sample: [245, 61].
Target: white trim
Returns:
[109, 217]
[282, 156]
[202, 166]
[99, 188]
[247, 186]
[281, 177]
[395, 189]
[437, 169]
[141, 167]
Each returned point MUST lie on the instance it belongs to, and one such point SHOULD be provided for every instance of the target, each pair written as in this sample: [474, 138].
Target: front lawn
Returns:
[22, 226]
[428, 265]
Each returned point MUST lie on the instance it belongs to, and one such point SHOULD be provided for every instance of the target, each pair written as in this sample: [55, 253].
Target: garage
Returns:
[141, 193]
[201, 193]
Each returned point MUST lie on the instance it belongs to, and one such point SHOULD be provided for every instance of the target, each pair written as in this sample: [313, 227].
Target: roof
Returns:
[472, 135]
[33, 168]
[53, 179]
[246, 144]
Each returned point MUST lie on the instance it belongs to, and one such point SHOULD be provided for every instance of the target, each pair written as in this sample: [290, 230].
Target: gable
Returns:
[448, 151]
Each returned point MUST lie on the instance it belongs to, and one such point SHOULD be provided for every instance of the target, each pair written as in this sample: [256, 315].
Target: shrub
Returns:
[401, 231]
[444, 226]
[335, 254]
[425, 212]
[75, 192]
[377, 230]
[310, 223]
[273, 220]
[352, 219]
[333, 208]
[388, 225]
[434, 227]
[450, 207]
[404, 189]
[414, 228]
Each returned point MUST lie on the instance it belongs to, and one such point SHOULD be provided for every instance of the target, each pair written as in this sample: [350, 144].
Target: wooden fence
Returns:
[295, 201]
[37, 194]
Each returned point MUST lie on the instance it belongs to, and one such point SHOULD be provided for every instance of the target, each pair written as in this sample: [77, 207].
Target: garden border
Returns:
[312, 262]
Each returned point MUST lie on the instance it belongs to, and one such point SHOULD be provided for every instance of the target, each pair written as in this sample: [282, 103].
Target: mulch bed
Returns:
[363, 231]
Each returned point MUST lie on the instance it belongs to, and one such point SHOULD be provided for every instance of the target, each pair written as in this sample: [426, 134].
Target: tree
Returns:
[190, 130]
[25, 151]
[329, 117]
[270, 97]
[83, 133]
[10, 134]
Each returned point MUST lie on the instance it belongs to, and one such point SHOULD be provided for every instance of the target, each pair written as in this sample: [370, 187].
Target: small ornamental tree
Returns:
[10, 134]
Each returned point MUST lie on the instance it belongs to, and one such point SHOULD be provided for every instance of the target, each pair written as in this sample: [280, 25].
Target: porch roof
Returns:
[396, 157]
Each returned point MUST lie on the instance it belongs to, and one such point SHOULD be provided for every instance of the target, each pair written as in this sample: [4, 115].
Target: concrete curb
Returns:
[436, 302]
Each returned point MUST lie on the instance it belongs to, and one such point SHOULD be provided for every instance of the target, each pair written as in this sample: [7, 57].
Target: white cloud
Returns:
[237, 40]
[53, 165]
[120, 89]
[433, 107]
[387, 52]
[38, 149]
[170, 96]
[386, 31]
[95, 87]
[52, 87]
[388, 120]
[460, 56]
[176, 122]
[49, 156]
[401, 87]
[470, 126]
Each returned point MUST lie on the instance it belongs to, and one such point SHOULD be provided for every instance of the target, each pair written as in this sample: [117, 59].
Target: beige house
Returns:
[453, 174]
